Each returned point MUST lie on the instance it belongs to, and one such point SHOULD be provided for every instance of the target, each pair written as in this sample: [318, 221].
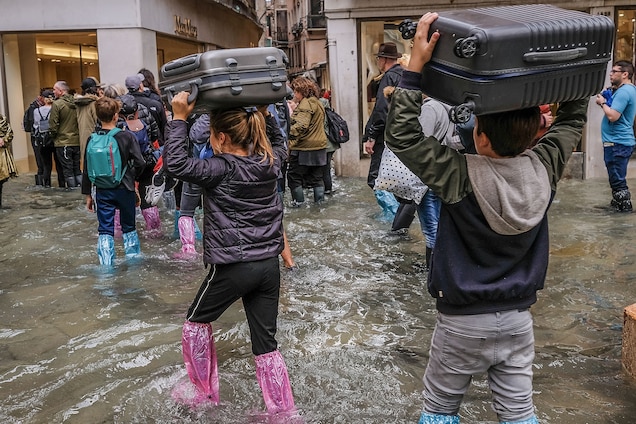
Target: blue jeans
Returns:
[428, 213]
[500, 344]
[616, 160]
[110, 199]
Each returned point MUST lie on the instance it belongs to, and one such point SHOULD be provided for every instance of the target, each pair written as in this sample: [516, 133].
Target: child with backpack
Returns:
[112, 162]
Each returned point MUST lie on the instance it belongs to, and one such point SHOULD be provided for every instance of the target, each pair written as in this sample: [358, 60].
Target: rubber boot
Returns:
[118, 232]
[622, 201]
[531, 420]
[78, 180]
[388, 204]
[153, 222]
[271, 373]
[427, 418]
[319, 194]
[46, 182]
[38, 180]
[187, 236]
[199, 355]
[131, 245]
[298, 197]
[429, 253]
[404, 217]
[175, 230]
[106, 249]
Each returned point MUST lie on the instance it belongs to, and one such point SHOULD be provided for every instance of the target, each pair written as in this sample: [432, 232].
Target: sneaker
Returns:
[156, 188]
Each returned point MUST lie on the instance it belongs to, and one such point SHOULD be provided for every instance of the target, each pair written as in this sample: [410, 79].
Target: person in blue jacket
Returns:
[242, 238]
[491, 256]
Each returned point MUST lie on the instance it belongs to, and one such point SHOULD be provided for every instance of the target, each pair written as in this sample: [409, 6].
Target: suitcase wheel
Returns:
[408, 29]
[466, 47]
[460, 114]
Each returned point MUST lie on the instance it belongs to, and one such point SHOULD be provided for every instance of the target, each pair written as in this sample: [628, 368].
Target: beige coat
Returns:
[7, 165]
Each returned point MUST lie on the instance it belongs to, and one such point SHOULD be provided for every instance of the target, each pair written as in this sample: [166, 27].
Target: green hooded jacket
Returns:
[63, 125]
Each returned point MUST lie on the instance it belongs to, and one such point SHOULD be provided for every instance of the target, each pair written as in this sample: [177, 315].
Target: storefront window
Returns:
[625, 32]
[372, 35]
[66, 56]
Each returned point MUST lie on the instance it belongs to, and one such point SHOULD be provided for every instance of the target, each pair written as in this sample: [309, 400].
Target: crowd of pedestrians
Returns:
[235, 164]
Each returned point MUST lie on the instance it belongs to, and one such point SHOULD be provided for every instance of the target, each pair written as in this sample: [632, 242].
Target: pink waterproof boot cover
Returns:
[199, 355]
[271, 373]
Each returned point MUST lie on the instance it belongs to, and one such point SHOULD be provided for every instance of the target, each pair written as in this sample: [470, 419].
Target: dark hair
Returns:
[149, 80]
[245, 127]
[510, 133]
[626, 66]
[106, 108]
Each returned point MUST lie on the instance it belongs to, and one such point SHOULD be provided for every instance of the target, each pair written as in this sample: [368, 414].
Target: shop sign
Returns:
[184, 27]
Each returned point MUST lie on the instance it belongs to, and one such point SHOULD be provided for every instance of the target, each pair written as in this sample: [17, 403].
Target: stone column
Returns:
[123, 51]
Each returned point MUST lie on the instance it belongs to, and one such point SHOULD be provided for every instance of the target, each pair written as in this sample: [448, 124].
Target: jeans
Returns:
[110, 199]
[428, 213]
[500, 344]
[616, 160]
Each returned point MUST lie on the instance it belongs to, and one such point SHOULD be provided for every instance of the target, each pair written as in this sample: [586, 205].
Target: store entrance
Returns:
[66, 56]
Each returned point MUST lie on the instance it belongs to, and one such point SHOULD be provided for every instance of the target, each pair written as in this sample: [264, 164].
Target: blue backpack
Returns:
[103, 159]
[142, 136]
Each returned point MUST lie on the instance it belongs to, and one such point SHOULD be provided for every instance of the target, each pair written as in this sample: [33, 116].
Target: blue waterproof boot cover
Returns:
[131, 244]
[106, 249]
[427, 418]
[388, 203]
[531, 420]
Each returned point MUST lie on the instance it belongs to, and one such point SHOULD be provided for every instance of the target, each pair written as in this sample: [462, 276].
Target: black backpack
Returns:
[337, 128]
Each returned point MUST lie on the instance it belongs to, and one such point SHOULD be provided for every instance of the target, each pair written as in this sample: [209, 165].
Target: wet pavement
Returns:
[79, 346]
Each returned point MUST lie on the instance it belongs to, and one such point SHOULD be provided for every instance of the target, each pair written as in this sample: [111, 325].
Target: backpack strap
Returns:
[113, 131]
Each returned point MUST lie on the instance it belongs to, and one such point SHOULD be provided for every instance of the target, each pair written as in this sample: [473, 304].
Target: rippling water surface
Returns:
[78, 346]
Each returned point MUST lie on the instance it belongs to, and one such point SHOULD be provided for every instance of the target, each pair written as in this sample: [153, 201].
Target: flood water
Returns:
[78, 346]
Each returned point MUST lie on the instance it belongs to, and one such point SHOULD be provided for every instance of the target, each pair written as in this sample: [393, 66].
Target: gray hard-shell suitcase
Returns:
[495, 59]
[220, 79]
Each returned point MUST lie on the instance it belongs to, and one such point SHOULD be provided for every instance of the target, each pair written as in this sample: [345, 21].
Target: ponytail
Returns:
[256, 127]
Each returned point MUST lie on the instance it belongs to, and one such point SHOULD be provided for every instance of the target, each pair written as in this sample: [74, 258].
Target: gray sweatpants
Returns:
[500, 344]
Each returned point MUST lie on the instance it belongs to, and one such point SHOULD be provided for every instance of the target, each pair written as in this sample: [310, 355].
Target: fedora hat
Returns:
[388, 50]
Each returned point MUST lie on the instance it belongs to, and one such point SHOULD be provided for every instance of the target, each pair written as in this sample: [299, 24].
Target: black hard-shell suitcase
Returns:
[220, 79]
[495, 59]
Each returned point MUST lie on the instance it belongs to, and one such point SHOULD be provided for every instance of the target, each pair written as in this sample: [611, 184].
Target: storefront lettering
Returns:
[184, 27]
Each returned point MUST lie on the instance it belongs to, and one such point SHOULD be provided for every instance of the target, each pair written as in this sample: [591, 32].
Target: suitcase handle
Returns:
[555, 56]
[179, 66]
[194, 91]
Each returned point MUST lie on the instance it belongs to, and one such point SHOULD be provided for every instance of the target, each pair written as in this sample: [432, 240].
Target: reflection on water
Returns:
[355, 320]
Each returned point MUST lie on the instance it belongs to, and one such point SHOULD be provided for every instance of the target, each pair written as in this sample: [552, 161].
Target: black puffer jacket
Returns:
[243, 211]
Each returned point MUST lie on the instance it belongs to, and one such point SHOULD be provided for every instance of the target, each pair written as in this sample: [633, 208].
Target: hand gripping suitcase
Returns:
[495, 59]
[220, 79]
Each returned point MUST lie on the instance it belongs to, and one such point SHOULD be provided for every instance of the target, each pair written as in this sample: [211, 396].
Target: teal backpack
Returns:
[103, 159]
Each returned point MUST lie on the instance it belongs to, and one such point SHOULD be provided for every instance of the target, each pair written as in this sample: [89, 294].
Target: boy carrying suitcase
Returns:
[491, 254]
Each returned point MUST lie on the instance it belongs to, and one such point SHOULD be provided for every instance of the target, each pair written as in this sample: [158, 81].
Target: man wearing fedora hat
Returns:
[373, 138]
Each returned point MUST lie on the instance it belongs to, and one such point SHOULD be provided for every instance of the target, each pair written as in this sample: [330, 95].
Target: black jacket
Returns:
[243, 211]
[157, 111]
[374, 129]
